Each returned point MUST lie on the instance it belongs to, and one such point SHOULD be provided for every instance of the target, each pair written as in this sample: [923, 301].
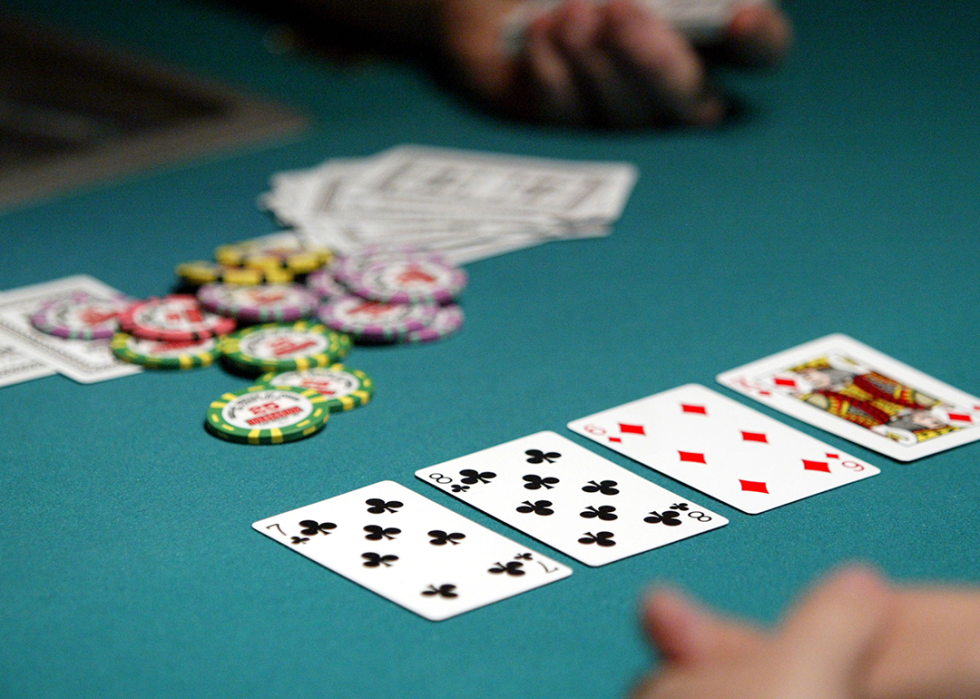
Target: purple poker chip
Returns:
[375, 321]
[322, 283]
[81, 316]
[448, 320]
[349, 267]
[282, 303]
[409, 280]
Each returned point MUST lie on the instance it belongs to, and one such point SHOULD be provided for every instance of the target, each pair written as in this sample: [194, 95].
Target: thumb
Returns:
[686, 633]
[828, 636]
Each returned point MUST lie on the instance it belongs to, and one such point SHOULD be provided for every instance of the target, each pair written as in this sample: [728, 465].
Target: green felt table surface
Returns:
[847, 199]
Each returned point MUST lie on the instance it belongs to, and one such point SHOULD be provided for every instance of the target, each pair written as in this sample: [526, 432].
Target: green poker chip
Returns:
[283, 347]
[344, 388]
[161, 354]
[268, 415]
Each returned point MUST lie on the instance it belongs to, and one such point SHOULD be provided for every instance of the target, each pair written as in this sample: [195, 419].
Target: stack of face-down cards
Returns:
[465, 205]
[597, 512]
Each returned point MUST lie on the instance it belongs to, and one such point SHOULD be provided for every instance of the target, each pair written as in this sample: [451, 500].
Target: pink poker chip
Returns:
[81, 316]
[448, 320]
[322, 283]
[408, 280]
[376, 321]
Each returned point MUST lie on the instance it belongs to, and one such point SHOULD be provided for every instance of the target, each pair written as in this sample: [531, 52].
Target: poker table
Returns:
[844, 198]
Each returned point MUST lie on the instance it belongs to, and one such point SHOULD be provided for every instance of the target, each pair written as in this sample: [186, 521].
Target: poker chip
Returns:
[448, 320]
[178, 317]
[375, 321]
[81, 317]
[348, 268]
[157, 354]
[277, 251]
[283, 347]
[344, 389]
[408, 280]
[322, 283]
[284, 303]
[267, 415]
[201, 272]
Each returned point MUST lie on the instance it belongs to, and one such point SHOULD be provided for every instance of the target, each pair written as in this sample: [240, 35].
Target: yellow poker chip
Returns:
[201, 272]
[276, 251]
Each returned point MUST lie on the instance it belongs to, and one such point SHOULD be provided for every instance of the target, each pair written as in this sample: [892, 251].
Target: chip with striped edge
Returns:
[173, 318]
[283, 347]
[161, 354]
[344, 388]
[268, 415]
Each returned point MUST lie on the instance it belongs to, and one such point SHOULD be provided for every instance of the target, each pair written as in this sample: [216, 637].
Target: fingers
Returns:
[616, 65]
[758, 35]
[829, 636]
[662, 63]
[686, 633]
[932, 650]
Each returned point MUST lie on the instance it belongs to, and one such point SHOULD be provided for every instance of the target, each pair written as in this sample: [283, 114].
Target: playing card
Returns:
[85, 361]
[701, 21]
[845, 387]
[465, 205]
[571, 499]
[16, 366]
[722, 448]
[412, 551]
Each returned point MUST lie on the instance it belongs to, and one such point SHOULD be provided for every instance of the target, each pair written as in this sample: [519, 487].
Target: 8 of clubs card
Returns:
[571, 499]
[849, 389]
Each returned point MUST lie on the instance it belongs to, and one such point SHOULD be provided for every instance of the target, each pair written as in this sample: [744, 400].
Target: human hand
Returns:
[932, 648]
[818, 652]
[929, 649]
[613, 65]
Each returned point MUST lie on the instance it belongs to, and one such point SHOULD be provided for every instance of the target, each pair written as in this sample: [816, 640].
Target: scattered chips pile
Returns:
[318, 308]
[290, 315]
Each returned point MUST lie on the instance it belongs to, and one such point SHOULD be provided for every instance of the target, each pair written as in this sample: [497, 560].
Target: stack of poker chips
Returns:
[289, 337]
[279, 258]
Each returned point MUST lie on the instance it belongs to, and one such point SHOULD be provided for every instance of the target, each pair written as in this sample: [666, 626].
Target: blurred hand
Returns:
[820, 650]
[613, 65]
[927, 646]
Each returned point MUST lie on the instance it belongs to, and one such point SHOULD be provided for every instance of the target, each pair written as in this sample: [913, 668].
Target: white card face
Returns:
[571, 499]
[411, 177]
[17, 366]
[845, 387]
[85, 361]
[412, 551]
[722, 448]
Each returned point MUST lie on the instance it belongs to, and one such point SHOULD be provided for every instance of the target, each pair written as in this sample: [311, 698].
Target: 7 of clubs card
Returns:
[849, 389]
[412, 551]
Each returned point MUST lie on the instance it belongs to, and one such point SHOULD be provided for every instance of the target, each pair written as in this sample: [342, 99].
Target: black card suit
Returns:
[534, 482]
[471, 476]
[446, 591]
[538, 456]
[515, 568]
[379, 506]
[604, 487]
[377, 533]
[538, 507]
[375, 560]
